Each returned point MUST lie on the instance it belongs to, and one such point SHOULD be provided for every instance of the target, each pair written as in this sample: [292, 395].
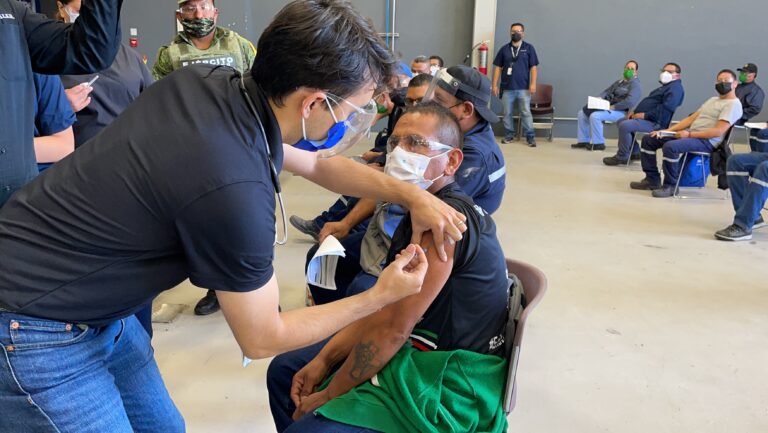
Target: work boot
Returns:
[308, 227]
[645, 185]
[613, 161]
[579, 146]
[734, 233]
[596, 146]
[208, 305]
[664, 192]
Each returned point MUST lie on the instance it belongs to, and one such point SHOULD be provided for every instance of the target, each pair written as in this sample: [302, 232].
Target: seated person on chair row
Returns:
[702, 131]
[749, 93]
[451, 330]
[748, 180]
[652, 113]
[758, 140]
[623, 95]
[483, 173]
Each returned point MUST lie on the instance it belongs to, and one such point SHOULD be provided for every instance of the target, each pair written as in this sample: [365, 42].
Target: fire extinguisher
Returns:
[483, 64]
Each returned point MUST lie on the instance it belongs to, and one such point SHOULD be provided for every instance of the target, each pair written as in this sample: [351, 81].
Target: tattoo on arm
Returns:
[363, 359]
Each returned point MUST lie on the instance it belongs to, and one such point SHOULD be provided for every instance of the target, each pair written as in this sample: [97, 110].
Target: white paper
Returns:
[321, 271]
[756, 125]
[598, 103]
[667, 134]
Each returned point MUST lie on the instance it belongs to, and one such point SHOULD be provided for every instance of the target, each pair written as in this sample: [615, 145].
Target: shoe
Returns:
[208, 305]
[308, 227]
[508, 139]
[612, 161]
[595, 147]
[759, 223]
[531, 142]
[579, 146]
[645, 185]
[734, 233]
[635, 157]
[664, 192]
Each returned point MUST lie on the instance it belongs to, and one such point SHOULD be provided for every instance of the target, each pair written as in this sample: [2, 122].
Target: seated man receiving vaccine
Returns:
[405, 367]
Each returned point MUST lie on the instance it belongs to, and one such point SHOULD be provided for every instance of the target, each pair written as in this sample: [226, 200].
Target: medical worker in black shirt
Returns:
[31, 42]
[182, 185]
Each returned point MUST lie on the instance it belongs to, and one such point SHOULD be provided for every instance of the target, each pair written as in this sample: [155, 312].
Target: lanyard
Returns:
[515, 55]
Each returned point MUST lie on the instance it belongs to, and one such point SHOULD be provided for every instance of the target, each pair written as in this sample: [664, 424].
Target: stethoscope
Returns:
[272, 168]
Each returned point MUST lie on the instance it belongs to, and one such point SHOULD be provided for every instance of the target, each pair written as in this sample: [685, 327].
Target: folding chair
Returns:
[541, 107]
[534, 286]
[635, 137]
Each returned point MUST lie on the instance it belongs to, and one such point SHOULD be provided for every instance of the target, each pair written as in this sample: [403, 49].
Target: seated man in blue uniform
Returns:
[483, 172]
[702, 131]
[461, 311]
[654, 112]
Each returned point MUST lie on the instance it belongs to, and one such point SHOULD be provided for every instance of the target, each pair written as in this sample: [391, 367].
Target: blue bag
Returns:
[695, 172]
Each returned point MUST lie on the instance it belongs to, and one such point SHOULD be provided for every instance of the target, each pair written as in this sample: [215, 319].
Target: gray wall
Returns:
[426, 27]
[583, 45]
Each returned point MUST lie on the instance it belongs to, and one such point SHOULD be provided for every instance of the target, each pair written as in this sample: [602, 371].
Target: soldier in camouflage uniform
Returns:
[202, 41]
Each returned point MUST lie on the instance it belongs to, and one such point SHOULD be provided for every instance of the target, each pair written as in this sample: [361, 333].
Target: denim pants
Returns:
[591, 128]
[337, 211]
[748, 180]
[319, 424]
[673, 150]
[627, 130]
[758, 140]
[521, 99]
[59, 377]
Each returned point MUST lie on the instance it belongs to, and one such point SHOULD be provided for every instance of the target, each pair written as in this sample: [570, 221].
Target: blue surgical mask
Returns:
[335, 134]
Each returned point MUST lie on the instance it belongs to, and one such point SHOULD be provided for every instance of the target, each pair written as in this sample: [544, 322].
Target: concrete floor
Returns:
[649, 325]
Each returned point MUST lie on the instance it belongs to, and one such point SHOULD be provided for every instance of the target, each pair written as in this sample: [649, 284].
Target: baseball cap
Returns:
[475, 88]
[749, 68]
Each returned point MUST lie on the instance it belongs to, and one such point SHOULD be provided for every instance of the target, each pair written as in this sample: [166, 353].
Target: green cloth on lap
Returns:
[439, 392]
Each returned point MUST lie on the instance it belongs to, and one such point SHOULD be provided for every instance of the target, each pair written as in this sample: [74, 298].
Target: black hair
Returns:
[728, 71]
[517, 24]
[677, 67]
[637, 65]
[440, 61]
[320, 44]
[420, 80]
[449, 131]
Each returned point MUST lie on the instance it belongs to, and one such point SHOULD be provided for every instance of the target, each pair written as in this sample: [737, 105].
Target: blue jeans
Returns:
[748, 180]
[591, 128]
[59, 377]
[673, 150]
[521, 99]
[627, 130]
[337, 211]
[319, 424]
[758, 140]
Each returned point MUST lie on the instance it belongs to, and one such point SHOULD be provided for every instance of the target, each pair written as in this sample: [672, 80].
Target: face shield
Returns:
[343, 134]
[443, 80]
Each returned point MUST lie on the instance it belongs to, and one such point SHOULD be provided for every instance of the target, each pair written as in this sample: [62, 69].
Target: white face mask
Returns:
[72, 15]
[433, 70]
[666, 77]
[410, 167]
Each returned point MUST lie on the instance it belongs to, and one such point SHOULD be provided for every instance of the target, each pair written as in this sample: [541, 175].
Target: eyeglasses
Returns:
[413, 142]
[188, 9]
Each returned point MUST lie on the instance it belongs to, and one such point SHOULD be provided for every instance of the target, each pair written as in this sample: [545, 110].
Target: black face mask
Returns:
[517, 37]
[723, 88]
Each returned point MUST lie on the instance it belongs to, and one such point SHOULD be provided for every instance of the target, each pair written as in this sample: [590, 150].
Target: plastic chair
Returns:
[541, 106]
[534, 286]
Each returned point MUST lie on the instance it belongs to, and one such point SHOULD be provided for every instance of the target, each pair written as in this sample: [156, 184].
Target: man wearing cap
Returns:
[749, 93]
[202, 41]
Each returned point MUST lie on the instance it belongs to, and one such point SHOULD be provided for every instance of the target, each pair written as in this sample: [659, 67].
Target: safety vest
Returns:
[226, 50]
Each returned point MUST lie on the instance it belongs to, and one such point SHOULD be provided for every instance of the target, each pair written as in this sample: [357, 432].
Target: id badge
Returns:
[509, 71]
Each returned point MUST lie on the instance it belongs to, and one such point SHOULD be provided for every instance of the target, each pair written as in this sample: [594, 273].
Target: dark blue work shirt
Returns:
[516, 66]
[482, 174]
[32, 42]
[53, 113]
[117, 87]
[660, 105]
[177, 187]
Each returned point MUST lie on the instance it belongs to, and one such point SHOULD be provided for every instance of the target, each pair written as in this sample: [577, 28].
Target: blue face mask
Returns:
[335, 134]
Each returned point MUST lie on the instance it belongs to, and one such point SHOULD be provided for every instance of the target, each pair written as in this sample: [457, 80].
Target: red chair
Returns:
[534, 286]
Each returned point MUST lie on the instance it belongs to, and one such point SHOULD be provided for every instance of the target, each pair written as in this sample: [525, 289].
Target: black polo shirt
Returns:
[470, 311]
[176, 187]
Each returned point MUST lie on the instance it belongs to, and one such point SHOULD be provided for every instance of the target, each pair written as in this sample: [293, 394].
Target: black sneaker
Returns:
[508, 139]
[531, 142]
[645, 185]
[613, 161]
[596, 146]
[579, 146]
[759, 223]
[308, 227]
[664, 192]
[734, 233]
[208, 305]
[635, 157]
